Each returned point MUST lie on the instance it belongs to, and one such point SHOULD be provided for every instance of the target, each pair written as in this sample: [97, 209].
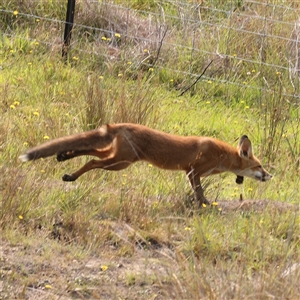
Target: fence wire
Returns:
[234, 32]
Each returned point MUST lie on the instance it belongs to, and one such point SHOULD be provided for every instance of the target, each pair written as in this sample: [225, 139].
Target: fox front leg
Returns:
[198, 190]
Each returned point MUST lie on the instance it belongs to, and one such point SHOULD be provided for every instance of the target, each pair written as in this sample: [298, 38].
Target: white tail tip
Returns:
[24, 157]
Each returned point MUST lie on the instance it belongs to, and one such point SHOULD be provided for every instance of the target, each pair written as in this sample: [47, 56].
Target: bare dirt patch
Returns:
[39, 266]
[47, 269]
[24, 276]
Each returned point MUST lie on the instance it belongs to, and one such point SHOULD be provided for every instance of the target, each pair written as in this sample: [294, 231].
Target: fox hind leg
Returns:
[62, 156]
[111, 164]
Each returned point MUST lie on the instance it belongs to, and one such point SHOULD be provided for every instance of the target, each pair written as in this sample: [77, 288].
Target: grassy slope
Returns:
[59, 238]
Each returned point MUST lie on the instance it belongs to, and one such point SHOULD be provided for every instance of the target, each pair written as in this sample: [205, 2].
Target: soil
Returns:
[28, 270]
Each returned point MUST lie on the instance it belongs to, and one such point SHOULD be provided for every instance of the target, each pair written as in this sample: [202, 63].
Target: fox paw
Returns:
[68, 177]
[62, 156]
[239, 179]
[204, 201]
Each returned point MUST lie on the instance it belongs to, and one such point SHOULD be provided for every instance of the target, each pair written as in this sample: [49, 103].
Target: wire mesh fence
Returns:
[253, 44]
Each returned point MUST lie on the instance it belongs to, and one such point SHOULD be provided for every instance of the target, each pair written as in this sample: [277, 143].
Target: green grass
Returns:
[57, 238]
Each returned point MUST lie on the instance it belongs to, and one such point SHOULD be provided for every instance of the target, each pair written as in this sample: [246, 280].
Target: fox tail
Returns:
[97, 138]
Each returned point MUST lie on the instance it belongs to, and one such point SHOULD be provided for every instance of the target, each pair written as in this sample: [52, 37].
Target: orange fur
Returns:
[119, 145]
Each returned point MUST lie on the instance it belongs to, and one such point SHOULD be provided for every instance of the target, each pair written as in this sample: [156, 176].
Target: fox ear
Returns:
[245, 147]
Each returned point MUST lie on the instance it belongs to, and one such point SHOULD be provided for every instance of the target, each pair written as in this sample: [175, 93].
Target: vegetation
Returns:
[132, 234]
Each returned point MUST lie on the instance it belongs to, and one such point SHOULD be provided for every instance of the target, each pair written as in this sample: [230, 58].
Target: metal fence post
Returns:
[68, 27]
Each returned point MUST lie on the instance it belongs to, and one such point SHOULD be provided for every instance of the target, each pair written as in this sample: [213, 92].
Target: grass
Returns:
[131, 234]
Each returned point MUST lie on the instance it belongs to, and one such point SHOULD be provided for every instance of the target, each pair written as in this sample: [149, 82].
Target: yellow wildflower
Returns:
[104, 268]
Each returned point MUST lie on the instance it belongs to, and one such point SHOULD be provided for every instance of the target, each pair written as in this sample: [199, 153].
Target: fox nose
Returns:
[266, 177]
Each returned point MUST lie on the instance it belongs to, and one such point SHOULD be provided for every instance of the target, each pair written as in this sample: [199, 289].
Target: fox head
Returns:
[251, 166]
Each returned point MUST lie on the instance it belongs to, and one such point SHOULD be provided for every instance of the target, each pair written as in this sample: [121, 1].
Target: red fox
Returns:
[119, 145]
